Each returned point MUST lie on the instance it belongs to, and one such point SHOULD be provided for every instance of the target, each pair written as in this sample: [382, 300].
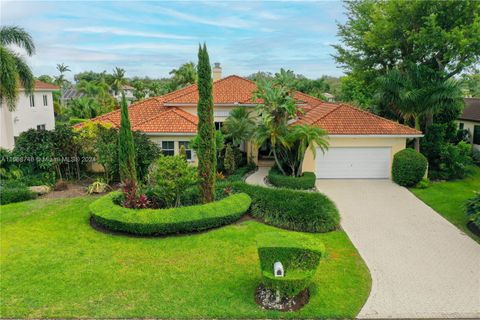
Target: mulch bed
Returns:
[473, 228]
[268, 300]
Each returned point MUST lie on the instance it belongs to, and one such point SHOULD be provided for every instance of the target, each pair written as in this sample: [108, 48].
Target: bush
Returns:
[305, 182]
[299, 255]
[473, 209]
[408, 167]
[455, 160]
[169, 177]
[229, 161]
[290, 209]
[423, 184]
[13, 191]
[240, 173]
[168, 221]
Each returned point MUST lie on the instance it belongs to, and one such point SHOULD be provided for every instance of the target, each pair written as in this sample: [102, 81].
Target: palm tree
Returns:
[307, 137]
[60, 79]
[119, 80]
[13, 68]
[239, 126]
[185, 75]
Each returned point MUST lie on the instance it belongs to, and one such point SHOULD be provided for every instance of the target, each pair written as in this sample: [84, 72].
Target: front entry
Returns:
[265, 151]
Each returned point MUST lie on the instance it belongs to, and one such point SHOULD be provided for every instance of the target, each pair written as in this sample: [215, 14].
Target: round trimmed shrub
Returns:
[304, 182]
[290, 209]
[168, 221]
[299, 255]
[408, 167]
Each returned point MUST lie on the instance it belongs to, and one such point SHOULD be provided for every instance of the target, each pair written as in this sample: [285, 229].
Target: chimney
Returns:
[217, 71]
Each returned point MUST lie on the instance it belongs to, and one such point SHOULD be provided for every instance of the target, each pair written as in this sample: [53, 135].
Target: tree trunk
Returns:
[277, 162]
[417, 140]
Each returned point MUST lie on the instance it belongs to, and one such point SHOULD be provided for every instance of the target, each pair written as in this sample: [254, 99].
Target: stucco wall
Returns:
[159, 138]
[25, 117]
[220, 112]
[396, 144]
[468, 125]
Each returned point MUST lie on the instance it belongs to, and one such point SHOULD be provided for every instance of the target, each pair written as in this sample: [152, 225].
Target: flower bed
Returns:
[304, 182]
[168, 221]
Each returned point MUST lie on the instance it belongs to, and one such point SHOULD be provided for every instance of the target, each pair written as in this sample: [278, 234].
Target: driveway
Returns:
[421, 265]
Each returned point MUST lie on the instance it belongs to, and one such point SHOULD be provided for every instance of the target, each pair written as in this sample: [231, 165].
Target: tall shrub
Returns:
[126, 149]
[207, 155]
[229, 161]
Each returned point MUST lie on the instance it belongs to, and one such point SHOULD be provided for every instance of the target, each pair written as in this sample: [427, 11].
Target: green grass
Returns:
[448, 198]
[53, 264]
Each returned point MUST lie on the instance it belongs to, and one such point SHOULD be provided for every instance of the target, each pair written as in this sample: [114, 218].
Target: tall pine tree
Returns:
[126, 148]
[207, 155]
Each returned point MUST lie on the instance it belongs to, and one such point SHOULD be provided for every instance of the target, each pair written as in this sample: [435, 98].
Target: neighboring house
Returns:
[470, 120]
[32, 112]
[362, 145]
[330, 97]
[128, 91]
[70, 94]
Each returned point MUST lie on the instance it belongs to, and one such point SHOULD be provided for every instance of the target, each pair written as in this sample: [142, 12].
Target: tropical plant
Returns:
[98, 186]
[239, 126]
[206, 151]
[126, 147]
[14, 70]
[119, 80]
[60, 79]
[183, 76]
[473, 209]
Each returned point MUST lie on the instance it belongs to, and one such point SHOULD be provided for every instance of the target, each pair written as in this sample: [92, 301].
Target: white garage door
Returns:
[353, 163]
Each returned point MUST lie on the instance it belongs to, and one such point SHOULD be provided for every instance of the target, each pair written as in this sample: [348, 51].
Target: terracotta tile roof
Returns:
[472, 110]
[347, 120]
[40, 85]
[156, 115]
[173, 120]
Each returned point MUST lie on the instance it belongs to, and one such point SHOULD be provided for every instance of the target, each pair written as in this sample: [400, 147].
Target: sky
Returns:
[150, 38]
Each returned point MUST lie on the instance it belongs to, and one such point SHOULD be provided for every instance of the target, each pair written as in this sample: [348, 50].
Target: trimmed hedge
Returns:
[168, 221]
[304, 182]
[16, 194]
[299, 256]
[408, 167]
[291, 209]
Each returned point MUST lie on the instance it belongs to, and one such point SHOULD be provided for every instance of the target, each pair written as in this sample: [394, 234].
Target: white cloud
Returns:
[228, 22]
[126, 32]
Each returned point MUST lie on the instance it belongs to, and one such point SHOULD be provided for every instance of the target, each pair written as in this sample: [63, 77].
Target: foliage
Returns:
[98, 186]
[130, 197]
[305, 182]
[423, 184]
[60, 79]
[206, 149]
[15, 193]
[473, 209]
[126, 148]
[119, 80]
[290, 209]
[355, 91]
[183, 76]
[408, 167]
[239, 126]
[229, 161]
[455, 160]
[240, 172]
[169, 221]
[299, 256]
[14, 69]
[168, 177]
[471, 84]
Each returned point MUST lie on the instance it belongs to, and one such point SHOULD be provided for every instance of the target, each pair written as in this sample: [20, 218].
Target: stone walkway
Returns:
[258, 177]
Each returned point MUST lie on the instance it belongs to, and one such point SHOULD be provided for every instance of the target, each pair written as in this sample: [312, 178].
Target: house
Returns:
[330, 97]
[362, 145]
[128, 91]
[70, 94]
[469, 120]
[33, 111]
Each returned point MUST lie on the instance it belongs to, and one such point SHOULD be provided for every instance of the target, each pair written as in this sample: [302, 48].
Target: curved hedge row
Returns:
[304, 182]
[171, 220]
[299, 256]
[291, 209]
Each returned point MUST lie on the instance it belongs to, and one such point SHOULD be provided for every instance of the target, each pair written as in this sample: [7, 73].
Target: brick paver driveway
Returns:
[422, 266]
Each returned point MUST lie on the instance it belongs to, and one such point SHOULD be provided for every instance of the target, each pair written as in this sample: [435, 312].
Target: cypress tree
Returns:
[126, 148]
[207, 155]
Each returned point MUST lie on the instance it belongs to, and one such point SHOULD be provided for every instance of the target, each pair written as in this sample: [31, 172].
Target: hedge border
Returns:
[304, 182]
[157, 222]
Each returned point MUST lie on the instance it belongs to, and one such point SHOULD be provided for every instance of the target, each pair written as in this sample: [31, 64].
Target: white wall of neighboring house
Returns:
[26, 117]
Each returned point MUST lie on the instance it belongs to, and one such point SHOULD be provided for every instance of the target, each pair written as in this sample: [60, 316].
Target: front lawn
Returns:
[448, 198]
[53, 264]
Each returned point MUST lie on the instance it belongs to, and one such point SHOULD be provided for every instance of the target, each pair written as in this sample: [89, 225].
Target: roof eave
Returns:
[376, 135]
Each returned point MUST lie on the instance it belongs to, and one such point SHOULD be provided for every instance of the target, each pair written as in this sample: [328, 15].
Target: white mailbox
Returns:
[278, 269]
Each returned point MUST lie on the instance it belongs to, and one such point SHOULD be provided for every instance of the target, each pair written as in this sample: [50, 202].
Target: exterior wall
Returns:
[220, 112]
[159, 138]
[468, 125]
[396, 144]
[26, 117]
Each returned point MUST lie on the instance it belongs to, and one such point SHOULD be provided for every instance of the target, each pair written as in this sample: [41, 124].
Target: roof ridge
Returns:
[183, 113]
[376, 116]
[326, 114]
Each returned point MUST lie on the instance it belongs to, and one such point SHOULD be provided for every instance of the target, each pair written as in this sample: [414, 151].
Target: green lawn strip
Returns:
[53, 264]
[448, 199]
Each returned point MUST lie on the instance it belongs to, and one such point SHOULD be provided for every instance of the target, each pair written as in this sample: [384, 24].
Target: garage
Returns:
[353, 163]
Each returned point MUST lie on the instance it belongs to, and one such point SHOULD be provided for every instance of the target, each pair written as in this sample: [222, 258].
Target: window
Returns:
[41, 127]
[32, 101]
[188, 151]
[168, 148]
[45, 100]
[218, 125]
[461, 125]
[476, 135]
